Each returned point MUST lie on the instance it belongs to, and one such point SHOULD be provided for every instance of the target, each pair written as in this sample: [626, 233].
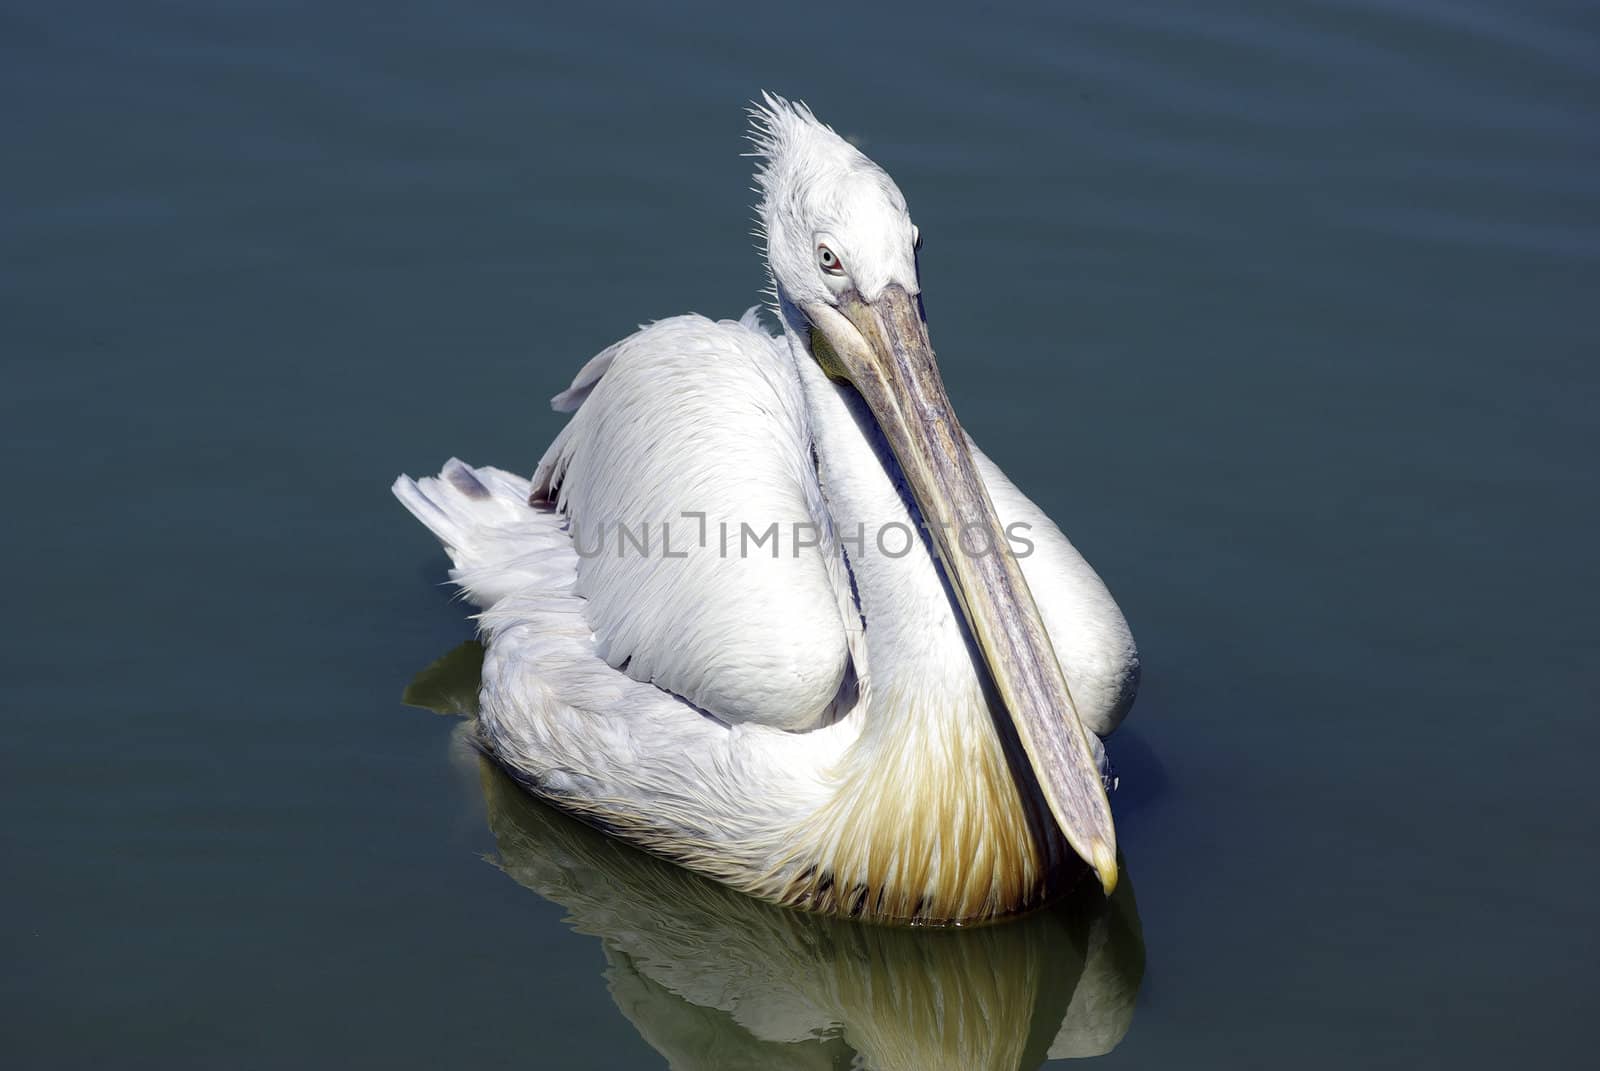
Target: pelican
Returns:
[765, 610]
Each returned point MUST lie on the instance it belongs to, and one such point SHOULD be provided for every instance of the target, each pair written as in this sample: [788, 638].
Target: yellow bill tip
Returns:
[1105, 864]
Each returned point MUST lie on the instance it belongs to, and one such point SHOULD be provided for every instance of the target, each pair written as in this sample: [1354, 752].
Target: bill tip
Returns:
[1105, 864]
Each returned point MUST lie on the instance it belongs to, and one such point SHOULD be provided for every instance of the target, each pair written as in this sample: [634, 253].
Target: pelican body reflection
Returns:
[712, 978]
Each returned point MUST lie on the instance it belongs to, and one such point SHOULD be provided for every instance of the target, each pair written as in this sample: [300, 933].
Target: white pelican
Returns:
[757, 611]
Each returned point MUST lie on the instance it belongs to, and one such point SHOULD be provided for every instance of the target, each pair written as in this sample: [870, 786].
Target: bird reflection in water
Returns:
[711, 978]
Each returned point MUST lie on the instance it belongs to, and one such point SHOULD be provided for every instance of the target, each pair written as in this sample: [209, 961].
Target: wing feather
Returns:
[688, 483]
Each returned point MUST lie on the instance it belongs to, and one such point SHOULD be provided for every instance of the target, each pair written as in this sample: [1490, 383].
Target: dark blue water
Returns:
[1285, 311]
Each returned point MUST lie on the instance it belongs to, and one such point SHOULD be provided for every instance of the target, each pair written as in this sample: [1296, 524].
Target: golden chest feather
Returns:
[928, 824]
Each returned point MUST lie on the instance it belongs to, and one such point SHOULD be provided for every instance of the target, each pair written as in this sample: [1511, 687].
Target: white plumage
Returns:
[716, 629]
[694, 429]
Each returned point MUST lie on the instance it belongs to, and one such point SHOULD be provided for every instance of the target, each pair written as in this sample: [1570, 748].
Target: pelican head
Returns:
[841, 248]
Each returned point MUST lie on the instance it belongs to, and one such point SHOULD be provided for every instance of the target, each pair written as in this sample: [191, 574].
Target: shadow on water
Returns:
[711, 978]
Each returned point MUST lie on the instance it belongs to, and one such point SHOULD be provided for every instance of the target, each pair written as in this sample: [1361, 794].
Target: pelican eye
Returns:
[829, 261]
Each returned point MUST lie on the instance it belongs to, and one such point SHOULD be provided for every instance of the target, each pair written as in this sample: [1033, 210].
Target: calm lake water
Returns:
[1285, 310]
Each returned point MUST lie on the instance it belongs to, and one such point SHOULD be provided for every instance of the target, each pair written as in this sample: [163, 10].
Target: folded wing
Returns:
[704, 553]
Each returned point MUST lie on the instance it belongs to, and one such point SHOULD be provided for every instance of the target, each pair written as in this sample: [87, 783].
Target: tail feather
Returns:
[499, 544]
